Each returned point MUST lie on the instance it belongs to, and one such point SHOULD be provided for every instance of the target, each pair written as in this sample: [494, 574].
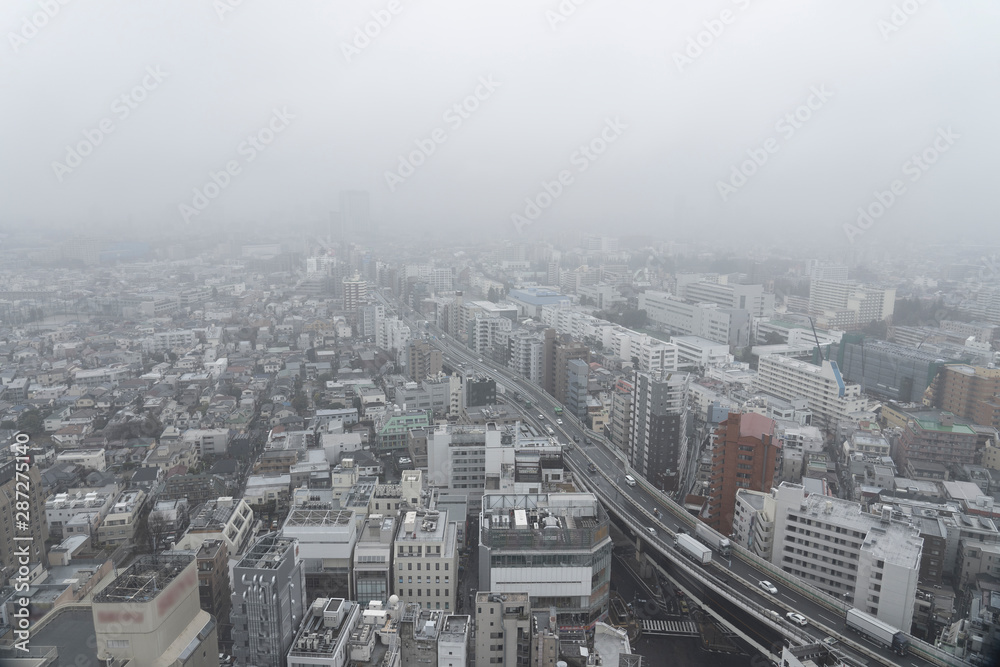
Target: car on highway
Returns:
[576, 438]
[650, 530]
[592, 467]
[630, 480]
[796, 618]
[542, 417]
[768, 586]
[559, 421]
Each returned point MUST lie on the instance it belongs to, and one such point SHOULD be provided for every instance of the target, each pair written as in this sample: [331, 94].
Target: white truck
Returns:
[693, 548]
[878, 631]
[713, 539]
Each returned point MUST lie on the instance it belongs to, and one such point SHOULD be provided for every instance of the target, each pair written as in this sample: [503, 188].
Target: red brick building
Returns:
[743, 457]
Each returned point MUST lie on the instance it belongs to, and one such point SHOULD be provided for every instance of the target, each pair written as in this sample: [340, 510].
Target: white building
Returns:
[730, 326]
[94, 459]
[165, 341]
[832, 544]
[208, 441]
[701, 351]
[753, 522]
[829, 397]
[222, 519]
[328, 633]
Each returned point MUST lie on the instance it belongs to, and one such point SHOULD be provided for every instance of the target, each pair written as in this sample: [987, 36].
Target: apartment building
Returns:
[355, 292]
[207, 441]
[970, 392]
[456, 458]
[503, 629]
[120, 524]
[555, 547]
[422, 360]
[745, 454]
[268, 601]
[730, 295]
[938, 438]
[873, 561]
[620, 422]
[753, 522]
[12, 493]
[830, 399]
[62, 507]
[560, 350]
[149, 615]
[165, 341]
[847, 305]
[425, 560]
[729, 326]
[658, 449]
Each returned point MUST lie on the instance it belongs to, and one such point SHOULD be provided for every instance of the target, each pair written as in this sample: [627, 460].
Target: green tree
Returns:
[300, 403]
[31, 422]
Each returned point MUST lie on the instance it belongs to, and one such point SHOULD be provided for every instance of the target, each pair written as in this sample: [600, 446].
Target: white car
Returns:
[630, 480]
[559, 421]
[768, 586]
[542, 417]
[796, 618]
[650, 530]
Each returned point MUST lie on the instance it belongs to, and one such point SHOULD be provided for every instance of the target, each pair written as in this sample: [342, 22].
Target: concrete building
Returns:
[327, 632]
[426, 560]
[753, 522]
[848, 305]
[526, 354]
[456, 458]
[503, 629]
[149, 615]
[832, 544]
[165, 341]
[422, 360]
[355, 292]
[697, 351]
[214, 591]
[888, 370]
[371, 576]
[223, 519]
[620, 422]
[970, 392]
[745, 454]
[938, 438]
[12, 492]
[325, 540]
[480, 390]
[558, 353]
[556, 547]
[730, 295]
[830, 399]
[120, 524]
[431, 637]
[208, 441]
[658, 449]
[729, 326]
[577, 377]
[268, 601]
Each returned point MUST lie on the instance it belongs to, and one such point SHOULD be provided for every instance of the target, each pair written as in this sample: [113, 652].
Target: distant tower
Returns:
[355, 215]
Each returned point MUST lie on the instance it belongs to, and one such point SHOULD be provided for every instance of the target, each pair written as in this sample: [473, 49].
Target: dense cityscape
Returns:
[601, 448]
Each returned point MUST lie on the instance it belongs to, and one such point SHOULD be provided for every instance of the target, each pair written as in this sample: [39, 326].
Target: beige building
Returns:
[120, 523]
[426, 560]
[223, 519]
[150, 616]
[503, 629]
[11, 550]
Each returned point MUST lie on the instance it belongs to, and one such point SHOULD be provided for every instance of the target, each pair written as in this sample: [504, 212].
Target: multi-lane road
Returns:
[609, 484]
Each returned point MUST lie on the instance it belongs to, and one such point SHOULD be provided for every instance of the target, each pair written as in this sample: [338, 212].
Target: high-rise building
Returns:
[422, 360]
[503, 629]
[149, 615]
[577, 378]
[480, 390]
[620, 423]
[214, 590]
[829, 397]
[658, 446]
[355, 292]
[426, 560]
[12, 492]
[560, 350]
[744, 456]
[269, 601]
[555, 547]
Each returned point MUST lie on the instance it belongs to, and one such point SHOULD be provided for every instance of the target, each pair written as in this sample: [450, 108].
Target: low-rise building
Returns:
[425, 560]
[503, 629]
[120, 524]
[223, 519]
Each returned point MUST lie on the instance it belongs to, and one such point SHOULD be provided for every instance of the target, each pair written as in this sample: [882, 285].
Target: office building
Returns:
[480, 390]
[620, 422]
[577, 378]
[830, 399]
[371, 576]
[555, 547]
[503, 629]
[560, 350]
[223, 519]
[745, 454]
[873, 561]
[149, 615]
[742, 297]
[268, 601]
[819, 270]
[214, 591]
[12, 492]
[426, 560]
[325, 540]
[658, 448]
[432, 637]
[848, 305]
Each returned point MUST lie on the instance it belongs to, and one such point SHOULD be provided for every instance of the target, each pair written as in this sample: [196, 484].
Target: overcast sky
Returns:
[340, 111]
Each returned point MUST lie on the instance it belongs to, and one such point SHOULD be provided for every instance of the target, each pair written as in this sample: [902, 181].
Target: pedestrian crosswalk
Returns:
[675, 628]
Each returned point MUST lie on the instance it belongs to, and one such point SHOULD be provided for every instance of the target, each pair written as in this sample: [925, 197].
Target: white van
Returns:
[630, 480]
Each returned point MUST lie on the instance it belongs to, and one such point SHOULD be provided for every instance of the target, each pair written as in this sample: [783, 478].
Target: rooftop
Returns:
[145, 578]
[267, 554]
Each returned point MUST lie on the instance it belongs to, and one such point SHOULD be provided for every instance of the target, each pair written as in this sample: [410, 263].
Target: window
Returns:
[117, 643]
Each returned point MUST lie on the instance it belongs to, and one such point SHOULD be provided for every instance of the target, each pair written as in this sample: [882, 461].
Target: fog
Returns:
[750, 119]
